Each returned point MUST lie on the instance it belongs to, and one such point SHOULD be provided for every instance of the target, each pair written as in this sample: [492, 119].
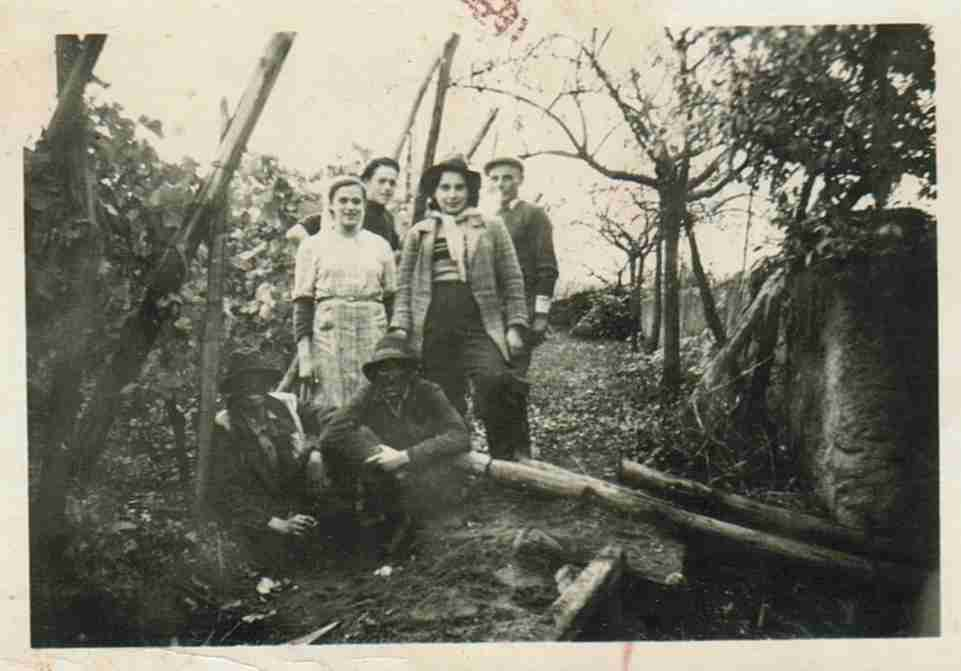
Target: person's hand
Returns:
[515, 341]
[389, 459]
[306, 374]
[295, 525]
[400, 333]
[338, 426]
[538, 332]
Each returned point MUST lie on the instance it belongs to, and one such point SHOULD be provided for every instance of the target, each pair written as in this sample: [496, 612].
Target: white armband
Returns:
[542, 305]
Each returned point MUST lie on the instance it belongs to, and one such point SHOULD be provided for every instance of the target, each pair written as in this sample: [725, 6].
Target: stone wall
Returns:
[862, 392]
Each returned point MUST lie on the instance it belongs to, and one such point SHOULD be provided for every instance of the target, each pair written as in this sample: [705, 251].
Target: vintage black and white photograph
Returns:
[510, 324]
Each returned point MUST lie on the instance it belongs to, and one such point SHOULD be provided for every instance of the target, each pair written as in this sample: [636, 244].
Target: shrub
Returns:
[609, 316]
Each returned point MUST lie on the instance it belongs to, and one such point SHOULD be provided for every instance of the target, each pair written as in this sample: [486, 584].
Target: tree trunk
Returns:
[743, 510]
[211, 339]
[672, 207]
[634, 302]
[82, 263]
[654, 340]
[558, 482]
[481, 134]
[142, 327]
[597, 590]
[433, 135]
[704, 287]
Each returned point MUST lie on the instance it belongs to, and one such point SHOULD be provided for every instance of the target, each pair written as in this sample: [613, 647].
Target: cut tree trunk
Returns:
[212, 337]
[721, 383]
[743, 510]
[556, 481]
[70, 96]
[433, 135]
[704, 287]
[597, 592]
[141, 328]
[418, 98]
[481, 134]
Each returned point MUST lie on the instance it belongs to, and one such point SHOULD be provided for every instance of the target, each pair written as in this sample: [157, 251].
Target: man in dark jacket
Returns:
[533, 239]
[380, 180]
[396, 433]
[260, 488]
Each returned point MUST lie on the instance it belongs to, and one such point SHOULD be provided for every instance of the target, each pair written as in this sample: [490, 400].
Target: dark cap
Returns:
[504, 160]
[390, 348]
[250, 371]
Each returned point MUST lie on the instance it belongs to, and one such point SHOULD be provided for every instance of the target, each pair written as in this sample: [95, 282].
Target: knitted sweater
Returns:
[533, 238]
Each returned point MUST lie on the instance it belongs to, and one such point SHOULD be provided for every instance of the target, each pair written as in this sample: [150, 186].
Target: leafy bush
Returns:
[609, 316]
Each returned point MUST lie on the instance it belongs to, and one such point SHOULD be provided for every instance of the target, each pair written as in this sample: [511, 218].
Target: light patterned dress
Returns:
[348, 278]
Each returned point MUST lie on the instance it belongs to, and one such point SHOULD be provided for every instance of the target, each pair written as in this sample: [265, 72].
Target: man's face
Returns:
[392, 379]
[382, 184]
[505, 180]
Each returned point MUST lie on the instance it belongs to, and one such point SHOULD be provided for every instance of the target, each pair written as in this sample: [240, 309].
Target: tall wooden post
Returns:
[213, 329]
[433, 135]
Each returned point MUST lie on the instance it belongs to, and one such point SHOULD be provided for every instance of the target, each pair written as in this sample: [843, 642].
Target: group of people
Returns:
[391, 338]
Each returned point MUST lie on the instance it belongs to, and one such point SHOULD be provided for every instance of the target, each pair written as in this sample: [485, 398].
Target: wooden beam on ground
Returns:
[141, 328]
[559, 482]
[595, 592]
[482, 133]
[70, 98]
[746, 511]
[433, 135]
[418, 98]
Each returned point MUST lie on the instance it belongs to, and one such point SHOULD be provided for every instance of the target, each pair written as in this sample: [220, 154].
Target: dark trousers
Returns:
[458, 349]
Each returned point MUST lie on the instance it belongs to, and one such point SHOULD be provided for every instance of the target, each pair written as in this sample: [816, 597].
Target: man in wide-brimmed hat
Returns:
[261, 454]
[533, 238]
[401, 425]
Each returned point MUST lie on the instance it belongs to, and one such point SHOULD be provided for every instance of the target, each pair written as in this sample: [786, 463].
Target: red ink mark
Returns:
[502, 13]
[626, 658]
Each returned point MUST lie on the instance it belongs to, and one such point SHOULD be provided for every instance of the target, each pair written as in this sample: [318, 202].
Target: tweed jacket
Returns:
[493, 273]
[533, 238]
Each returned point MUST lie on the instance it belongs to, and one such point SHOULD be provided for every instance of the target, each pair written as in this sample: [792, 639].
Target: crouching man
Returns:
[260, 485]
[396, 434]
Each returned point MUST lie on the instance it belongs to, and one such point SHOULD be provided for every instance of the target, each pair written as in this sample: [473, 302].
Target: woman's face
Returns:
[451, 193]
[347, 206]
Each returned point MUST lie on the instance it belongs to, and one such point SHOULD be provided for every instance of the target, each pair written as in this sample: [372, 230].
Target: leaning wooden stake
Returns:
[69, 100]
[141, 328]
[595, 592]
[746, 511]
[558, 482]
[482, 133]
[405, 132]
[212, 337]
[433, 135]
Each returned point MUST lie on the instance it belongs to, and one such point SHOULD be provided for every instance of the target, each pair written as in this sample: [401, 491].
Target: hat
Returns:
[390, 348]
[504, 160]
[250, 371]
[455, 163]
[341, 181]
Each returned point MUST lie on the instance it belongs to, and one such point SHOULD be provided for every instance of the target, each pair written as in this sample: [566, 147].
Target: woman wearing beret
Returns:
[344, 286]
[460, 302]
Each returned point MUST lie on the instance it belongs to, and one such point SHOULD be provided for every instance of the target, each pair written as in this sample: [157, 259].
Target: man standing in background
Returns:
[533, 238]
[380, 179]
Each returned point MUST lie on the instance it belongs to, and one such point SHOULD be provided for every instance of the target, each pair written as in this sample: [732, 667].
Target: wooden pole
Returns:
[141, 328]
[556, 481]
[482, 133]
[422, 89]
[597, 589]
[433, 135]
[211, 343]
[70, 98]
[746, 511]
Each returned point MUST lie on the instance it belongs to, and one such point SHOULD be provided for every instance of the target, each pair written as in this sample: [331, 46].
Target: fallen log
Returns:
[744, 510]
[596, 591]
[558, 482]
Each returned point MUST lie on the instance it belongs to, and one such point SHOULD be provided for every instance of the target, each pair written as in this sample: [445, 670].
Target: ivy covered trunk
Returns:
[862, 384]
